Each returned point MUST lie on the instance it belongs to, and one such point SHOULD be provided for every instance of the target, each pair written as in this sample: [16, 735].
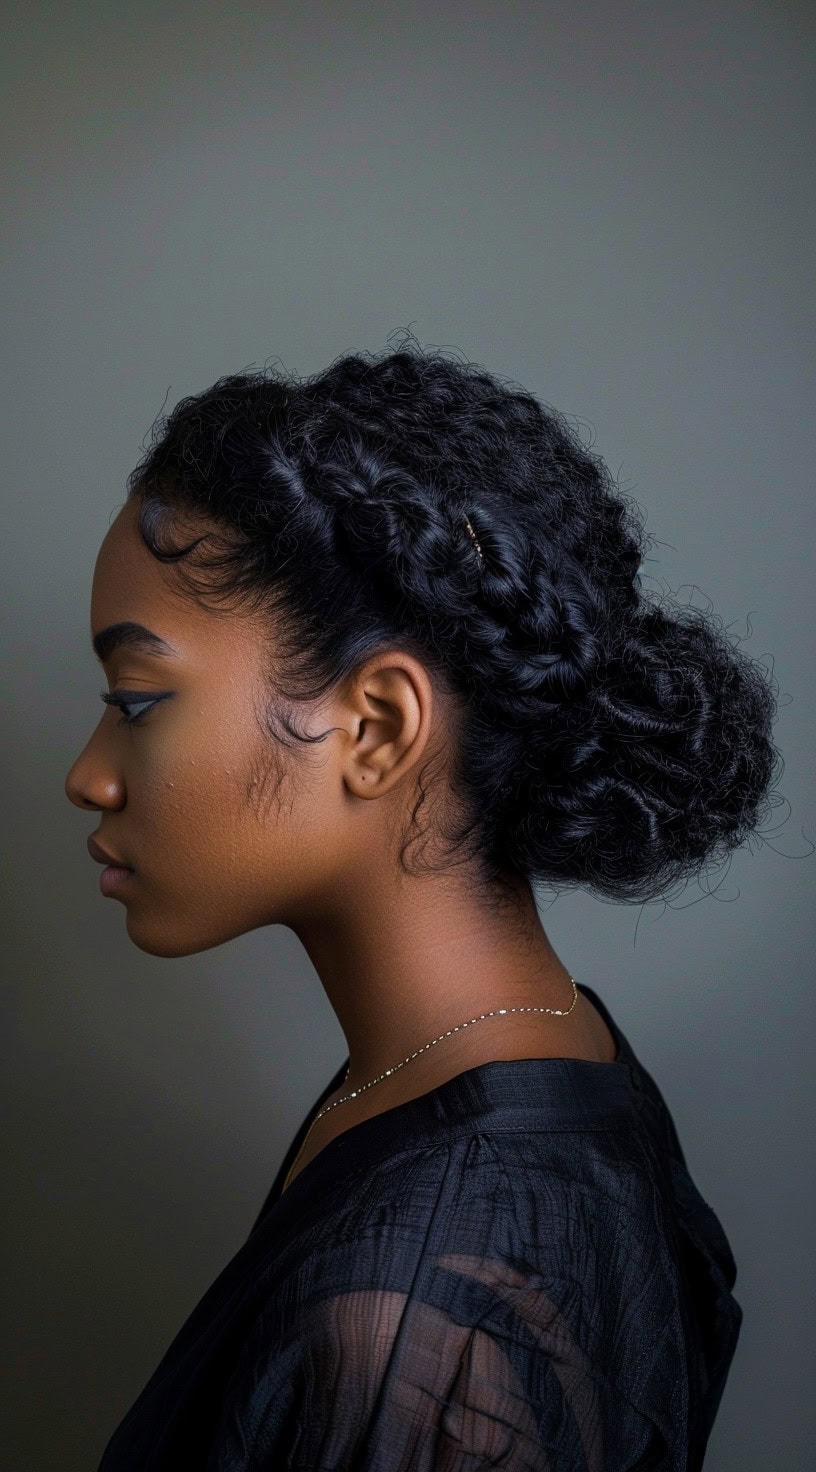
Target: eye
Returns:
[124, 700]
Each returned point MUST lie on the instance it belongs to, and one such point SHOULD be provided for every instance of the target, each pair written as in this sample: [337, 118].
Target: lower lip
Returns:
[111, 878]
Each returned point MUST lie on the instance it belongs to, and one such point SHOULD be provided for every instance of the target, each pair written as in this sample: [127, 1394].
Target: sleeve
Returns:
[377, 1380]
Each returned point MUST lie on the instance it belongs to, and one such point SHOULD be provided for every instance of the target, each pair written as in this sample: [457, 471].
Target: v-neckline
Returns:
[576, 1092]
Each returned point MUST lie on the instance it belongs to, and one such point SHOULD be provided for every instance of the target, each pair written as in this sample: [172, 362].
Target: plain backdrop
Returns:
[611, 204]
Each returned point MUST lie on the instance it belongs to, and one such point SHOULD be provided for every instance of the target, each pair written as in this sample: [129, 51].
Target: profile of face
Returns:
[226, 830]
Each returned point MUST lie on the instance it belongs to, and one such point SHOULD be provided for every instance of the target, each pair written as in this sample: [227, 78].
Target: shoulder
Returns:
[487, 1223]
[431, 1329]
[477, 1183]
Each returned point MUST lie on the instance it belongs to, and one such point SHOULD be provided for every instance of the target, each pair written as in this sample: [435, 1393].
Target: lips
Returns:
[101, 855]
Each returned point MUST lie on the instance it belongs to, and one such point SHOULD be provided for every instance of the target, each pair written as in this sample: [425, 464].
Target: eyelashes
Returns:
[124, 700]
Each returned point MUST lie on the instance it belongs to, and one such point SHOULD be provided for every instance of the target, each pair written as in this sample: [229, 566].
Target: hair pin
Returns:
[473, 538]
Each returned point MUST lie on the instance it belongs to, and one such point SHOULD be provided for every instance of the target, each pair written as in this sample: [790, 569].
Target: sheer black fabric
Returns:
[514, 1270]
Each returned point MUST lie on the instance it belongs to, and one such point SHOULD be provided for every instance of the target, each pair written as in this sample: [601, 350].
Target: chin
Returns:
[156, 940]
[173, 939]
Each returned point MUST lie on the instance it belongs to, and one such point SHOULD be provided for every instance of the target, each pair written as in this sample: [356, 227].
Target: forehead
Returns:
[130, 585]
[128, 582]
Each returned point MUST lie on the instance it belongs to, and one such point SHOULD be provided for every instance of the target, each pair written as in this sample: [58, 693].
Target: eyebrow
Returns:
[132, 636]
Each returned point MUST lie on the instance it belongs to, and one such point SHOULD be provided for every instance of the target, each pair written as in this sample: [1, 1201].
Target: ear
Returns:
[388, 709]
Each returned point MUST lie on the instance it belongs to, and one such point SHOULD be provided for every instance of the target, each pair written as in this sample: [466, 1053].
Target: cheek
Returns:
[178, 794]
[210, 799]
[209, 807]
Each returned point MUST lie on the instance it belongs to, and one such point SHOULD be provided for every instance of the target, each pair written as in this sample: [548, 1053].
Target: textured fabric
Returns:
[514, 1270]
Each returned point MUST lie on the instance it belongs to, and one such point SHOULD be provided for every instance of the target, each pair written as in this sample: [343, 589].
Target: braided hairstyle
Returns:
[598, 740]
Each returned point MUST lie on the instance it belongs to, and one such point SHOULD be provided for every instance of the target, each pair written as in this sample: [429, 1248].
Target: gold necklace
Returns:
[498, 1012]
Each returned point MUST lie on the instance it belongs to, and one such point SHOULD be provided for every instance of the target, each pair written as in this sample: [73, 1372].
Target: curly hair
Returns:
[604, 742]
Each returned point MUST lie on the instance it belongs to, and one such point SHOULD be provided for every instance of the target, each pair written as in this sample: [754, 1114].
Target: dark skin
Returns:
[226, 832]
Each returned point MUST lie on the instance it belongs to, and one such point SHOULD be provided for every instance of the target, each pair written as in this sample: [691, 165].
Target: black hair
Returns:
[603, 741]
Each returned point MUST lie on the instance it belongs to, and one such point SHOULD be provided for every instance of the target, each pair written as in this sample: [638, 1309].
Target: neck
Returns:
[402, 964]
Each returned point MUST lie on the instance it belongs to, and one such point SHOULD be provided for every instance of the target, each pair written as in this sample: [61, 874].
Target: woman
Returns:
[379, 660]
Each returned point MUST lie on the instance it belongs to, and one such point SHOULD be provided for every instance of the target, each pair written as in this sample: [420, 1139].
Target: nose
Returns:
[91, 784]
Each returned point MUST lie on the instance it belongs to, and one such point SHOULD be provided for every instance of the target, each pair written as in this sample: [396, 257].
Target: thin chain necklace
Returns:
[498, 1012]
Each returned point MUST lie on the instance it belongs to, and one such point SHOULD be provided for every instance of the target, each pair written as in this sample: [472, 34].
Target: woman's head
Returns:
[223, 831]
[527, 716]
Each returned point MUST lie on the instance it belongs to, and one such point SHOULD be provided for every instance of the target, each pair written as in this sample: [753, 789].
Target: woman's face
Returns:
[225, 829]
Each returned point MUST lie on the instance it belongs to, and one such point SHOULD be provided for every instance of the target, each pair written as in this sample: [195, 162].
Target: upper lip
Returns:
[102, 856]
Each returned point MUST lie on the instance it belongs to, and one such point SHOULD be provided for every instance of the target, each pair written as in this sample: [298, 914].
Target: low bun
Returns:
[661, 768]
[605, 741]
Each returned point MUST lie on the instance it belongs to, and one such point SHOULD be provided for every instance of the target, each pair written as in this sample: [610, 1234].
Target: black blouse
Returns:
[513, 1270]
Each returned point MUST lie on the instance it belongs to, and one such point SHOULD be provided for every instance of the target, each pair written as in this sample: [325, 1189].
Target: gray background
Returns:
[611, 204]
